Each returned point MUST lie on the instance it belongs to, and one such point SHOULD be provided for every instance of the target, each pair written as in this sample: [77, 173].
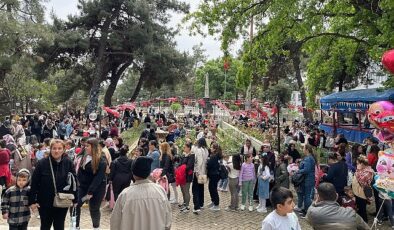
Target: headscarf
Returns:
[110, 143]
[9, 140]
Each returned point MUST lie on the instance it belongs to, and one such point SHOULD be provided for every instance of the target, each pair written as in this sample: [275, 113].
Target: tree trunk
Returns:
[138, 87]
[114, 82]
[95, 90]
[295, 56]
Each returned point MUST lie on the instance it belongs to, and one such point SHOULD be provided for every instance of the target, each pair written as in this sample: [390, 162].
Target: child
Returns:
[348, 200]
[14, 206]
[264, 176]
[70, 149]
[222, 186]
[247, 178]
[283, 217]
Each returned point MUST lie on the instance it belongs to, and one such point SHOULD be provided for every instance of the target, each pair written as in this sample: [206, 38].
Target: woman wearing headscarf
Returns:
[20, 157]
[113, 150]
[49, 129]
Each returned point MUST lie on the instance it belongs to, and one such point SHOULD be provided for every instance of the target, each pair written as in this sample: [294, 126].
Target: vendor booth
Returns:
[345, 112]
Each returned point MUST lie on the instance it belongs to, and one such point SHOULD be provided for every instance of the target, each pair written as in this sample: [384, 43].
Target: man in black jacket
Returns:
[5, 129]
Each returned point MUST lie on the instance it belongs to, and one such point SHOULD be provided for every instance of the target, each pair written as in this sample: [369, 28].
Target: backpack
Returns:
[223, 173]
[297, 179]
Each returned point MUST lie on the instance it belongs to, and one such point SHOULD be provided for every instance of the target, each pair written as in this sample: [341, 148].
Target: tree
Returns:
[110, 36]
[216, 73]
[296, 29]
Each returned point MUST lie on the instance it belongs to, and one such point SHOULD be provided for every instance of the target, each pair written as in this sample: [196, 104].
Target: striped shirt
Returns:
[247, 172]
[15, 203]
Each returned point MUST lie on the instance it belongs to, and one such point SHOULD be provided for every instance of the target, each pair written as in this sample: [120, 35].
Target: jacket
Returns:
[307, 167]
[328, 215]
[144, 206]
[337, 175]
[155, 155]
[15, 202]
[201, 156]
[189, 161]
[121, 169]
[282, 176]
[42, 190]
[92, 181]
[168, 168]
[213, 165]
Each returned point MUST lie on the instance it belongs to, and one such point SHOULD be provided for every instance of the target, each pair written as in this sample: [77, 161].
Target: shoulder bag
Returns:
[61, 200]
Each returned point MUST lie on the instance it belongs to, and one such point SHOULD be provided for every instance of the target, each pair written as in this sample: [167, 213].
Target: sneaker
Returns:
[197, 211]
[258, 206]
[185, 210]
[228, 209]
[215, 208]
[262, 210]
[38, 217]
[250, 208]
[302, 216]
[297, 209]
[224, 190]
[173, 201]
[210, 205]
[242, 207]
[181, 205]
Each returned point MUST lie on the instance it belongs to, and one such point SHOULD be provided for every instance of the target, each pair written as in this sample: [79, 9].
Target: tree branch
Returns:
[335, 35]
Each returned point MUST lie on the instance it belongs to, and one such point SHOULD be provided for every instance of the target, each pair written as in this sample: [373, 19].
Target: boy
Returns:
[14, 205]
[283, 217]
[349, 200]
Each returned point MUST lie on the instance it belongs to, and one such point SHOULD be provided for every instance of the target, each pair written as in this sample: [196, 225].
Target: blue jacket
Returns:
[337, 175]
[307, 167]
[155, 155]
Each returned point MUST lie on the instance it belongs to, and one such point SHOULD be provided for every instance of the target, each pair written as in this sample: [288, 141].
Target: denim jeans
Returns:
[305, 197]
[223, 184]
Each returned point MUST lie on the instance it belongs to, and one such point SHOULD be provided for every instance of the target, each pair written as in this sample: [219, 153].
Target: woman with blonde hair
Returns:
[92, 181]
[167, 164]
[42, 192]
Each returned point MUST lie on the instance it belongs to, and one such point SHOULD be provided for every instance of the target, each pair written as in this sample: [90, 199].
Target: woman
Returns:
[213, 167]
[167, 164]
[48, 130]
[121, 172]
[113, 150]
[234, 167]
[201, 154]
[92, 181]
[20, 156]
[118, 142]
[362, 179]
[307, 168]
[351, 157]
[137, 153]
[42, 190]
[5, 173]
[281, 173]
[293, 153]
[337, 173]
[188, 160]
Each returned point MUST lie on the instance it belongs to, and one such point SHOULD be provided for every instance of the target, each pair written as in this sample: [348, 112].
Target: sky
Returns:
[62, 8]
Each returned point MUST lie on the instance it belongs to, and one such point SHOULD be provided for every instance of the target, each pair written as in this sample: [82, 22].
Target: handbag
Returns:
[297, 179]
[61, 200]
[202, 179]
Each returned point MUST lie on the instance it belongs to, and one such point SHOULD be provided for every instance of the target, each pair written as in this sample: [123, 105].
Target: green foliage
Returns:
[132, 135]
[233, 107]
[175, 107]
[336, 39]
[218, 79]
[281, 91]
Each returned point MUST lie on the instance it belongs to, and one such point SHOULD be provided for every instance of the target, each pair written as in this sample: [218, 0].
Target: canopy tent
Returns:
[355, 100]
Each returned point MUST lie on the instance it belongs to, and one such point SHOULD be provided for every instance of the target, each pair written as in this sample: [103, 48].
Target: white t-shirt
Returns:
[277, 222]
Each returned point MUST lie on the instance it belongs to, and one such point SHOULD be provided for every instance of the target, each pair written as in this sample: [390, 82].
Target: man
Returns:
[5, 129]
[143, 205]
[325, 213]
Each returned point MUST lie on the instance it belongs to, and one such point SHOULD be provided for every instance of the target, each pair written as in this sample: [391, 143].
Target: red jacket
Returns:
[4, 165]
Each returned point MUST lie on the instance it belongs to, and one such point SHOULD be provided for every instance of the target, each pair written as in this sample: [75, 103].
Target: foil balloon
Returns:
[388, 60]
[384, 181]
[381, 116]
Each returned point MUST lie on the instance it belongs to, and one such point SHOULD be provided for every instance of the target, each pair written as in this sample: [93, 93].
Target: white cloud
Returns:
[185, 42]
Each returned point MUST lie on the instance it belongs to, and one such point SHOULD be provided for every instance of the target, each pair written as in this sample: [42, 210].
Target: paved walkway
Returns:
[206, 220]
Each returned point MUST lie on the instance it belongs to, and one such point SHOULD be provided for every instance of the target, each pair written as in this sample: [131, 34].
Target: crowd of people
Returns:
[46, 160]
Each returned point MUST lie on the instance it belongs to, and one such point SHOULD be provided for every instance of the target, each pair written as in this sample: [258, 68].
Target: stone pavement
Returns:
[204, 221]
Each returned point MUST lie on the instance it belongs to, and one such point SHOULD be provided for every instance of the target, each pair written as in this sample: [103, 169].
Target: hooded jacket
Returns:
[121, 169]
[15, 202]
